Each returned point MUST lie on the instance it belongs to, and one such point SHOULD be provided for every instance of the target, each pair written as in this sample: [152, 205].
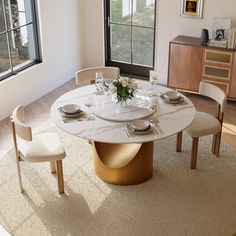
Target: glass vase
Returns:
[122, 106]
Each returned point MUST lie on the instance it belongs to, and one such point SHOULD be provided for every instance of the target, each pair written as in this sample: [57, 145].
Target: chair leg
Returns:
[194, 153]
[19, 174]
[179, 142]
[214, 143]
[60, 177]
[53, 167]
[17, 156]
[217, 145]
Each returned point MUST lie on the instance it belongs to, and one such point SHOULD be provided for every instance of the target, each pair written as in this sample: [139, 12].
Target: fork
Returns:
[126, 132]
[156, 124]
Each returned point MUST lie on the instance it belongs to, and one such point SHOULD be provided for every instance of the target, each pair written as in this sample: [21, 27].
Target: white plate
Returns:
[129, 129]
[70, 109]
[140, 125]
[173, 101]
[80, 112]
[171, 95]
[178, 98]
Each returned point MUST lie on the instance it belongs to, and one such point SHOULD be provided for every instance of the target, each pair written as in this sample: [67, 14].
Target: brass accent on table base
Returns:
[123, 164]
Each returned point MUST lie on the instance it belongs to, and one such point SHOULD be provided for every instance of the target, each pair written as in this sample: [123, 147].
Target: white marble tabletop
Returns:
[172, 118]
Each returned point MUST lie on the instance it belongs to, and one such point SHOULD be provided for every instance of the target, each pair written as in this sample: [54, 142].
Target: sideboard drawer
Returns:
[216, 72]
[221, 57]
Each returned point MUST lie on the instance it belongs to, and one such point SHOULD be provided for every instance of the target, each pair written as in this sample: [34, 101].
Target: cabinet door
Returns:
[185, 64]
[232, 92]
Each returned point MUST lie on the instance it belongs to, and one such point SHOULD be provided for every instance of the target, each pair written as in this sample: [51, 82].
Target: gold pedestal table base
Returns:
[123, 164]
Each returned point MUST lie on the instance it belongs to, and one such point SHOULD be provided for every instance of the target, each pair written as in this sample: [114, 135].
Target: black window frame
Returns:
[36, 38]
[138, 71]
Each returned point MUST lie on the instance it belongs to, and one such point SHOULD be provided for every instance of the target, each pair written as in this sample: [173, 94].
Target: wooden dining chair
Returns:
[89, 74]
[38, 148]
[205, 124]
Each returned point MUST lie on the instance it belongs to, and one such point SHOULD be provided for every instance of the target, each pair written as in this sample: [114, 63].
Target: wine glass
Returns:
[154, 101]
[99, 81]
[106, 86]
[89, 102]
[154, 82]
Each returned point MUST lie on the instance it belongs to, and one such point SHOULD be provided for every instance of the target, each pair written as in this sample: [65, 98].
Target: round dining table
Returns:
[122, 157]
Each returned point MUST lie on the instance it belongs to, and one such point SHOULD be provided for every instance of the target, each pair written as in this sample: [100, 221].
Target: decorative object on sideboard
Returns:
[220, 32]
[191, 8]
[220, 28]
[204, 37]
[232, 39]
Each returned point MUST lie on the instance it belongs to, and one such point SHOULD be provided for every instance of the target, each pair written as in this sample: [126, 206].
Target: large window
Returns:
[130, 35]
[19, 42]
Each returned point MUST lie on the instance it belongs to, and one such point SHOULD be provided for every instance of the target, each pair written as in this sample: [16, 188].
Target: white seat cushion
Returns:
[203, 124]
[43, 147]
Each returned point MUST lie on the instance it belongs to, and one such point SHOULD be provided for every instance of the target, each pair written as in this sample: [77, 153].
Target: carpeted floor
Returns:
[175, 201]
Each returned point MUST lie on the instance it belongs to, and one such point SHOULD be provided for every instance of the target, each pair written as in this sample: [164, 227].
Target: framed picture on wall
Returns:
[191, 8]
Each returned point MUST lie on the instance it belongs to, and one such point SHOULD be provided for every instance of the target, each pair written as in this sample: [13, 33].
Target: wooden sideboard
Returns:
[190, 63]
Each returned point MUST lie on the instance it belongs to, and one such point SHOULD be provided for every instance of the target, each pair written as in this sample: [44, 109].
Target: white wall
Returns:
[62, 46]
[94, 33]
[169, 25]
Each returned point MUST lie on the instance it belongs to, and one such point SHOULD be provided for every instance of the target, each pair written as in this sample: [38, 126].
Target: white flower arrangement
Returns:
[124, 87]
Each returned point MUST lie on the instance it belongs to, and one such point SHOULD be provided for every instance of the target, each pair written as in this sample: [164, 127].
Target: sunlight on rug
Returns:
[175, 201]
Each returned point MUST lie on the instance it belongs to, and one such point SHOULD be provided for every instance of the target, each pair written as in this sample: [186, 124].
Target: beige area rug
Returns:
[175, 201]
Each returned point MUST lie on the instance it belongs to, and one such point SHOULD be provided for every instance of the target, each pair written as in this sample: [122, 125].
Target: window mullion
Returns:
[131, 32]
[34, 14]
